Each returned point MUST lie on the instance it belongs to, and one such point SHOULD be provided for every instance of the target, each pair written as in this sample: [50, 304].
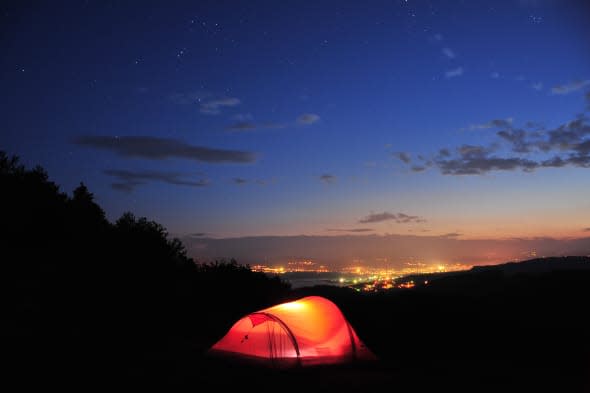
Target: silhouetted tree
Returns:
[84, 208]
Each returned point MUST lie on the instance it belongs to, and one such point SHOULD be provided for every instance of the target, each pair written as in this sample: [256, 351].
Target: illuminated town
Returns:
[305, 266]
[367, 279]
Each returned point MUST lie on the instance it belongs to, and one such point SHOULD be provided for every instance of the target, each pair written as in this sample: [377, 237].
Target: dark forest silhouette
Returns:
[87, 295]
[93, 302]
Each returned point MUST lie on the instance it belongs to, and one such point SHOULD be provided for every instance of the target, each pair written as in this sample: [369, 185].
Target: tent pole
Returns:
[352, 343]
[287, 330]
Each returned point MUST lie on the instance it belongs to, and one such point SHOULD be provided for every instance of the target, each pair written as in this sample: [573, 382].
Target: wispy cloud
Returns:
[328, 179]
[129, 180]
[448, 53]
[569, 136]
[128, 186]
[250, 126]
[308, 118]
[495, 123]
[570, 87]
[495, 75]
[477, 160]
[454, 72]
[444, 153]
[586, 229]
[399, 218]
[437, 37]
[567, 145]
[197, 234]
[214, 107]
[161, 148]
[239, 180]
[241, 126]
[517, 138]
[352, 230]
[451, 235]
[537, 86]
[403, 157]
[210, 104]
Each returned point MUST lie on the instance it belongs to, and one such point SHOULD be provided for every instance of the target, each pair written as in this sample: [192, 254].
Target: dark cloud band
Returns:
[567, 145]
[129, 180]
[161, 148]
[399, 218]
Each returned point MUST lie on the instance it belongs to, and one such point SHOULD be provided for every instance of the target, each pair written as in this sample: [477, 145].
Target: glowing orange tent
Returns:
[311, 330]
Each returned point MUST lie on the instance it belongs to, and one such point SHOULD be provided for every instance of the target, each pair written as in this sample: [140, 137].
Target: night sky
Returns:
[465, 122]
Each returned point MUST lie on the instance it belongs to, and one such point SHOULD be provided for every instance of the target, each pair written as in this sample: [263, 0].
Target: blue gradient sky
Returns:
[326, 95]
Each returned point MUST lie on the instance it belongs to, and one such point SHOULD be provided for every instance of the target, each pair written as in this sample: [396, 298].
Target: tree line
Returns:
[86, 294]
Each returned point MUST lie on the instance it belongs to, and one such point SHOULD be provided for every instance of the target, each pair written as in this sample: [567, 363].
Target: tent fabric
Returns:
[311, 330]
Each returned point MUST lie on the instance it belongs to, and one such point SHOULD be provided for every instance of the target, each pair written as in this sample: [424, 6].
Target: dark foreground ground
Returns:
[454, 375]
[483, 331]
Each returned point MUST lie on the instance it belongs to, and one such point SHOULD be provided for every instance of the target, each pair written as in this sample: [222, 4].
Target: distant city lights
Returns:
[368, 279]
